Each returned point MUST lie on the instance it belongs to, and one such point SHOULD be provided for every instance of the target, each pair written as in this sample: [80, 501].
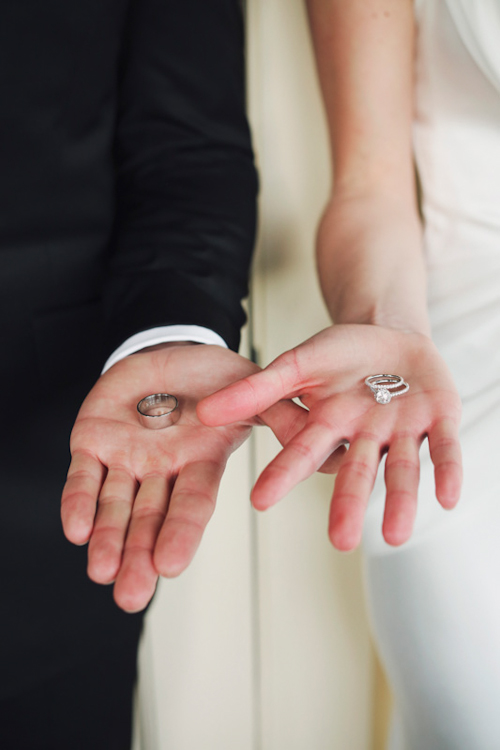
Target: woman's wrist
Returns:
[385, 317]
[371, 263]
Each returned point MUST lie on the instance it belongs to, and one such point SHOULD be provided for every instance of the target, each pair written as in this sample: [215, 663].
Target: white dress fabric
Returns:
[435, 601]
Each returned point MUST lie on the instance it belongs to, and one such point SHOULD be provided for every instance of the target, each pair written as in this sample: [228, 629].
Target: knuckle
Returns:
[407, 464]
[404, 435]
[444, 443]
[153, 475]
[358, 467]
[114, 500]
[253, 393]
[451, 464]
[275, 469]
[368, 436]
[194, 496]
[183, 521]
[302, 449]
[109, 529]
[81, 475]
[397, 494]
[119, 473]
[345, 497]
[147, 512]
[76, 497]
[137, 548]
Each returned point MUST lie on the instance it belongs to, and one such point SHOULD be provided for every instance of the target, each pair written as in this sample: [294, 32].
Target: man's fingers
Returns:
[79, 497]
[137, 578]
[446, 456]
[301, 457]
[110, 526]
[251, 396]
[402, 470]
[353, 486]
[191, 506]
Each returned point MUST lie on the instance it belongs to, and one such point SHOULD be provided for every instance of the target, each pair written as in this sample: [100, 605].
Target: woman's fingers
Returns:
[353, 486]
[286, 419]
[446, 456]
[402, 470]
[301, 457]
[110, 527]
[191, 507]
[136, 581]
[333, 462]
[79, 497]
[251, 396]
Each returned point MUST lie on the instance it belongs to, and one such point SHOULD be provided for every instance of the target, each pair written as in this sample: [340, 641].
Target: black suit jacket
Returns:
[127, 201]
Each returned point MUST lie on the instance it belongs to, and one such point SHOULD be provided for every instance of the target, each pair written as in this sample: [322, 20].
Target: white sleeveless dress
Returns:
[435, 602]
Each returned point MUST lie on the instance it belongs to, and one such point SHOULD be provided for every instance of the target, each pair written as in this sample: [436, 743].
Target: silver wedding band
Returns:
[385, 387]
[158, 411]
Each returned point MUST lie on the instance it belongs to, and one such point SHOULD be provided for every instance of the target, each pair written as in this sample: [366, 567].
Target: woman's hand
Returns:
[327, 373]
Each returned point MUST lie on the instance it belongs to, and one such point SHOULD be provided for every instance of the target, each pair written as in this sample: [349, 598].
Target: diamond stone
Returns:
[382, 396]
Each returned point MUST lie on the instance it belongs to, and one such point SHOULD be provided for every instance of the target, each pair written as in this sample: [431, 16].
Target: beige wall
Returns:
[317, 663]
[263, 644]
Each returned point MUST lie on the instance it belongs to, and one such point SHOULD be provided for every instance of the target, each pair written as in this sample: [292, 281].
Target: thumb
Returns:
[250, 396]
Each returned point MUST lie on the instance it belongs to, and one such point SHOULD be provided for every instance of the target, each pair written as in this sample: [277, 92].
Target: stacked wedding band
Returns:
[385, 387]
[158, 411]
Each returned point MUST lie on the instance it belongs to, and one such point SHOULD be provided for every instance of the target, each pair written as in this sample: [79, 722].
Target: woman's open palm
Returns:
[327, 373]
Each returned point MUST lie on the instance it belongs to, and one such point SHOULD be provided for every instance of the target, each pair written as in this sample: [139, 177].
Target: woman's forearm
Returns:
[371, 264]
[369, 244]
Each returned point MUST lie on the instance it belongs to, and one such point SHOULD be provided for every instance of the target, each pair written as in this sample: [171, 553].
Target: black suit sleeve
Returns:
[186, 182]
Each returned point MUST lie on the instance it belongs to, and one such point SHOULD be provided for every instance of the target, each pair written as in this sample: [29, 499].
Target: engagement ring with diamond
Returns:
[385, 387]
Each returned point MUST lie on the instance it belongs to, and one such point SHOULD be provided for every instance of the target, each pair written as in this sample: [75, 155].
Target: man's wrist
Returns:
[167, 345]
[164, 335]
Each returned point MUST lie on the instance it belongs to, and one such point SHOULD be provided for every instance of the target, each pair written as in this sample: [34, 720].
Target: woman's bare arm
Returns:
[372, 273]
[369, 251]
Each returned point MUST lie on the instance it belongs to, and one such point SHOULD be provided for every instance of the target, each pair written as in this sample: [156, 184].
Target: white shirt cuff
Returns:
[162, 335]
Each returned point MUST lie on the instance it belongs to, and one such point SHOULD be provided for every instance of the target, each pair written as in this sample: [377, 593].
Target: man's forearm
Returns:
[185, 177]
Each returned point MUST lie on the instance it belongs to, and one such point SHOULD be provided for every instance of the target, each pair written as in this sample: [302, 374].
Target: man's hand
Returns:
[155, 490]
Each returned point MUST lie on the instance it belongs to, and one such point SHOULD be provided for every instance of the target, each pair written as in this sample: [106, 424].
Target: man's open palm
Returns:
[154, 490]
